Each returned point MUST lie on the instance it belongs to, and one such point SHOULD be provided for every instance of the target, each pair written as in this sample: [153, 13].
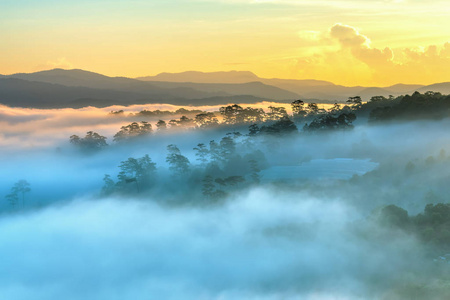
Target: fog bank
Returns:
[264, 244]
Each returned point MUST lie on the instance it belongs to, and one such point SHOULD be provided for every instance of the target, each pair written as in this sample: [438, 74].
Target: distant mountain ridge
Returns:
[77, 88]
[33, 94]
[132, 90]
[254, 88]
[309, 89]
[203, 77]
[443, 88]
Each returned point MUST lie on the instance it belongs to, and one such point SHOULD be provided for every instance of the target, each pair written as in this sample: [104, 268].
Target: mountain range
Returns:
[60, 88]
[304, 89]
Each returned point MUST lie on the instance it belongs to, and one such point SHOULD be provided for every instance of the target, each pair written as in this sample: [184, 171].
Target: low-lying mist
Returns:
[262, 244]
[264, 224]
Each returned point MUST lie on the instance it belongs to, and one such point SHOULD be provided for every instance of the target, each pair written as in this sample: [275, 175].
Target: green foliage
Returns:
[141, 168]
[312, 109]
[163, 113]
[255, 171]
[251, 115]
[227, 148]
[202, 153]
[298, 109]
[276, 113]
[230, 181]
[253, 130]
[178, 163]
[330, 122]
[355, 102]
[232, 114]
[235, 114]
[429, 105]
[20, 188]
[432, 226]
[392, 215]
[12, 199]
[208, 186]
[377, 99]
[108, 185]
[133, 130]
[336, 109]
[90, 143]
[183, 122]
[280, 128]
[215, 152]
[139, 171]
[211, 192]
[206, 120]
[161, 125]
[117, 112]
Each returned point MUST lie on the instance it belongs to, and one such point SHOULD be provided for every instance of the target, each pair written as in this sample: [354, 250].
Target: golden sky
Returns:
[365, 42]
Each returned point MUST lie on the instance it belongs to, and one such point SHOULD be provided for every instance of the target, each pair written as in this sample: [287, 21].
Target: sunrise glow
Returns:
[345, 42]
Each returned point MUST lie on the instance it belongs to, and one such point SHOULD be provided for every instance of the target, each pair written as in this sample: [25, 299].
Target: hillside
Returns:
[202, 77]
[257, 89]
[126, 90]
[78, 88]
[21, 93]
[308, 89]
[443, 88]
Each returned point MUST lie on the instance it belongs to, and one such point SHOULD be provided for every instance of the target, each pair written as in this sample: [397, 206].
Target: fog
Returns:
[34, 128]
[261, 245]
[307, 233]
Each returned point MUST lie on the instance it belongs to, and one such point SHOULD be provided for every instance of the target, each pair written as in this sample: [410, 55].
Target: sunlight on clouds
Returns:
[57, 125]
[348, 36]
[355, 61]
[206, 35]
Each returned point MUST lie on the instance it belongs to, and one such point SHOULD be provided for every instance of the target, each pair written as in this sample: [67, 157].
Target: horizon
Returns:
[350, 43]
[212, 72]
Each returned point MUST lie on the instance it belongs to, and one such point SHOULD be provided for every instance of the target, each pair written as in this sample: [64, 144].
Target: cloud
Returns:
[294, 247]
[359, 44]
[37, 141]
[354, 60]
[348, 36]
[57, 125]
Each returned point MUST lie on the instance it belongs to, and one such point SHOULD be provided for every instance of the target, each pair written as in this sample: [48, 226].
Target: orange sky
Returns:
[365, 42]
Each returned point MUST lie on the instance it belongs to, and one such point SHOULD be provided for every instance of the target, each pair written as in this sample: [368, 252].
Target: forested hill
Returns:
[430, 105]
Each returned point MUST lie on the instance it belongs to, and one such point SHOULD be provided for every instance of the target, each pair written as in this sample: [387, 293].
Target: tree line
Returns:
[432, 226]
[221, 167]
[276, 121]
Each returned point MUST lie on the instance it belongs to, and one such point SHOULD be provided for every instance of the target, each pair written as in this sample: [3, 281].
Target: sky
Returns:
[364, 42]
